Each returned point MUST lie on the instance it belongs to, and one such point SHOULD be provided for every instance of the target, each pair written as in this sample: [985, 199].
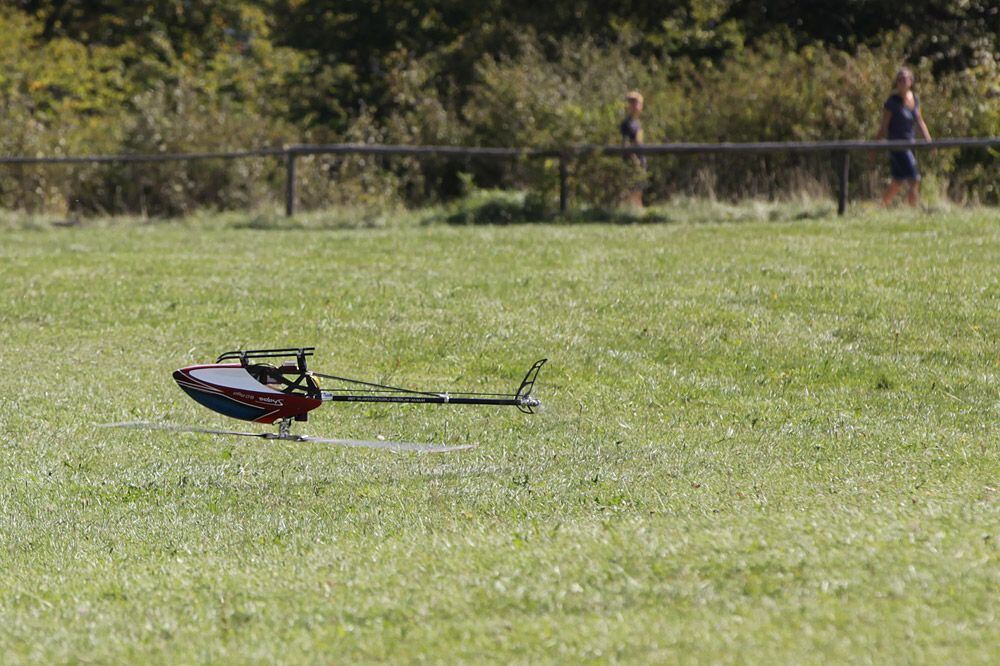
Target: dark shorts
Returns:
[903, 166]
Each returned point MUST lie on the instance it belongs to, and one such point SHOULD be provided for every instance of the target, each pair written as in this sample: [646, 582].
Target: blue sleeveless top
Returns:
[903, 119]
[630, 129]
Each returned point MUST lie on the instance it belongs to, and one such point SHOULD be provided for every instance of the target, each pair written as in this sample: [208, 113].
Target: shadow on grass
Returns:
[507, 208]
[481, 208]
[497, 207]
[332, 220]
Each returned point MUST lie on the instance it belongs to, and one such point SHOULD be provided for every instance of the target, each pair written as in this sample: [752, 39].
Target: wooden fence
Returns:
[565, 155]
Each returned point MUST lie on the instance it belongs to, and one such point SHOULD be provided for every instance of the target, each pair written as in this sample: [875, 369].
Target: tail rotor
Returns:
[525, 402]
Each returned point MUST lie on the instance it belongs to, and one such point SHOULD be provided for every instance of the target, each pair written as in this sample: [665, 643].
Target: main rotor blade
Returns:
[356, 443]
[379, 444]
[144, 425]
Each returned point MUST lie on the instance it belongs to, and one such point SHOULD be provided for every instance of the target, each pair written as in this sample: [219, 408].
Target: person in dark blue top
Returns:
[631, 131]
[900, 116]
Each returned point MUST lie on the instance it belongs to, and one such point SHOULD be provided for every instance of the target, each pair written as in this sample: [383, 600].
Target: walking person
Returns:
[631, 131]
[900, 115]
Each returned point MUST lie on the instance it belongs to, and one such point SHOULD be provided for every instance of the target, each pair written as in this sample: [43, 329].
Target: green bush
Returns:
[157, 93]
[60, 97]
[180, 119]
[771, 93]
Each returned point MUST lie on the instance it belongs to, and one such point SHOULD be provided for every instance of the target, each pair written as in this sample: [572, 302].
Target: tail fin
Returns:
[526, 403]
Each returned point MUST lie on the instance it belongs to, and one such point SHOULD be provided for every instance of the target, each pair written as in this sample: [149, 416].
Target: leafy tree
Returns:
[953, 34]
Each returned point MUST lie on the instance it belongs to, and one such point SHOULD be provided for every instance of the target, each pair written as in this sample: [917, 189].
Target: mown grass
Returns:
[766, 440]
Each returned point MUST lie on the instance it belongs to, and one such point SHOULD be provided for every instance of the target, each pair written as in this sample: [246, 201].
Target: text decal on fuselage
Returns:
[259, 398]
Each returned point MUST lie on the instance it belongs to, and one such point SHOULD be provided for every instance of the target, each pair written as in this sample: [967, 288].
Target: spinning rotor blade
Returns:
[143, 425]
[355, 443]
[392, 446]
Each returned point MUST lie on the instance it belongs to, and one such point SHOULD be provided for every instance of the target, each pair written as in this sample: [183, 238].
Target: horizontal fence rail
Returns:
[290, 153]
[799, 146]
[149, 157]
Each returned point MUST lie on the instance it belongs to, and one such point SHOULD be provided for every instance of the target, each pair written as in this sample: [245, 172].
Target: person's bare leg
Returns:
[890, 192]
[633, 199]
[913, 194]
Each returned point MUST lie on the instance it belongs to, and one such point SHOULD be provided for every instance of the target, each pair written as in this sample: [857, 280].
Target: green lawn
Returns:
[764, 441]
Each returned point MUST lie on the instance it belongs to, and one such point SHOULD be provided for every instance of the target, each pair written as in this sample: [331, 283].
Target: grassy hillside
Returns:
[766, 440]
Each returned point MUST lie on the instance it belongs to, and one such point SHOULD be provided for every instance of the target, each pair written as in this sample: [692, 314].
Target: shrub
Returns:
[182, 118]
[770, 93]
[61, 97]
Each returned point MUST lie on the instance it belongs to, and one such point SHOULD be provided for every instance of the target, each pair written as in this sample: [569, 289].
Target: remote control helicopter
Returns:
[275, 386]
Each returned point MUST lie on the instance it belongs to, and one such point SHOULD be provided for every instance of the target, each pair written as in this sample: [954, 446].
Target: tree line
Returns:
[115, 75]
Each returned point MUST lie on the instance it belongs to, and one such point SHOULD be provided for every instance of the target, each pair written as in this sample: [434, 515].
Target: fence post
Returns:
[563, 183]
[290, 182]
[845, 169]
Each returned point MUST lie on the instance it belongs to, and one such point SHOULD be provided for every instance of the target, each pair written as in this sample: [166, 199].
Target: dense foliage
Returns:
[115, 76]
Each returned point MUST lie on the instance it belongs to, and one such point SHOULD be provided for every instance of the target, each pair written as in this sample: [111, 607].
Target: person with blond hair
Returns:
[900, 115]
[631, 131]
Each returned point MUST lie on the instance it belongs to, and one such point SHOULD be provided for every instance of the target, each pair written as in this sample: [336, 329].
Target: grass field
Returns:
[772, 439]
